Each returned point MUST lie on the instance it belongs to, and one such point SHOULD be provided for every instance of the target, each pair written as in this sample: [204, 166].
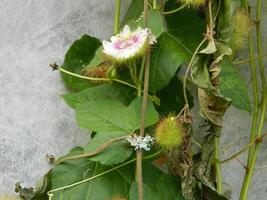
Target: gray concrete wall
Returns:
[35, 121]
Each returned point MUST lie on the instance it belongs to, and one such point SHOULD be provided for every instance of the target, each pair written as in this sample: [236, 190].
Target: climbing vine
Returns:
[134, 92]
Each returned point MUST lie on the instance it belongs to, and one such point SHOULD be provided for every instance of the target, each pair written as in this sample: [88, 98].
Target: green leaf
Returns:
[212, 107]
[151, 174]
[186, 26]
[111, 116]
[135, 112]
[233, 86]
[155, 22]
[103, 116]
[168, 188]
[97, 59]
[73, 171]
[134, 18]
[157, 186]
[113, 91]
[166, 58]
[115, 154]
[134, 12]
[179, 196]
[175, 47]
[148, 193]
[225, 20]
[209, 193]
[172, 98]
[200, 74]
[77, 58]
[74, 151]
[190, 37]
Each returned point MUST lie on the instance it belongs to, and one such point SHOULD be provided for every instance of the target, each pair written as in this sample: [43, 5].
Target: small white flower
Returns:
[128, 44]
[140, 142]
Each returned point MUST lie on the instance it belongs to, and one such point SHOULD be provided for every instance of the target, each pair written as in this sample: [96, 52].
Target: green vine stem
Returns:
[95, 79]
[217, 164]
[239, 62]
[216, 138]
[174, 11]
[257, 140]
[139, 153]
[93, 153]
[254, 152]
[140, 78]
[117, 17]
[133, 73]
[253, 70]
[154, 4]
[103, 173]
[103, 79]
[188, 69]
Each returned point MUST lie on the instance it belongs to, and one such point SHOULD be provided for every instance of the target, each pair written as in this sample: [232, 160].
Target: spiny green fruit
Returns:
[242, 25]
[169, 133]
[118, 198]
[194, 3]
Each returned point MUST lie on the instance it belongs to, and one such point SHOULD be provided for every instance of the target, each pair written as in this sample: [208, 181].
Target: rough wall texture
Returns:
[35, 121]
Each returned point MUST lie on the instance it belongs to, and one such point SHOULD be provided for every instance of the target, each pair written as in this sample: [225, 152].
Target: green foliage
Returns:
[134, 11]
[233, 86]
[77, 58]
[148, 193]
[167, 188]
[113, 91]
[113, 154]
[200, 74]
[171, 97]
[155, 22]
[186, 26]
[111, 116]
[97, 59]
[166, 58]
[134, 18]
[69, 172]
[225, 19]
[113, 110]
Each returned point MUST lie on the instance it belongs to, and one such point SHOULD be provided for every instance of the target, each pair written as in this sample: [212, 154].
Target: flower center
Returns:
[125, 43]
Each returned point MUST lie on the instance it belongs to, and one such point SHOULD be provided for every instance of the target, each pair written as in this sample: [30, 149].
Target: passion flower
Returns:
[128, 44]
[169, 133]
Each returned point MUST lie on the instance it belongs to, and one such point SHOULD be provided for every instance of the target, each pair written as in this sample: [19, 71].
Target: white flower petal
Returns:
[114, 39]
[126, 30]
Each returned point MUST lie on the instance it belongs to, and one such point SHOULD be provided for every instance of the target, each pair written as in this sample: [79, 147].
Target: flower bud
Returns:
[100, 71]
[169, 133]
